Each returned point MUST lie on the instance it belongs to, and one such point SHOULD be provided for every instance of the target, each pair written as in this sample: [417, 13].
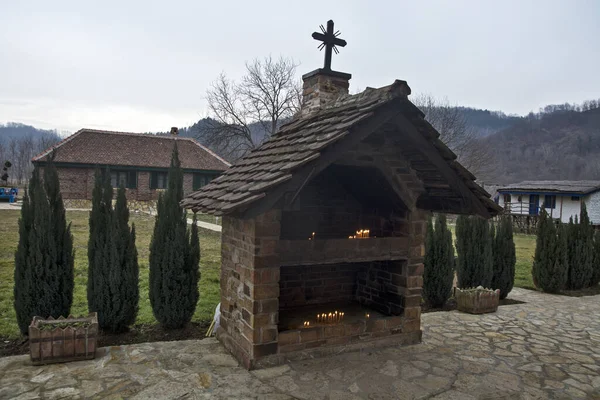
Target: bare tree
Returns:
[456, 132]
[267, 94]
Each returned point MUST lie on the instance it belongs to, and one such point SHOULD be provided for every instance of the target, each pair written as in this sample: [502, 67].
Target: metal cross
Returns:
[330, 41]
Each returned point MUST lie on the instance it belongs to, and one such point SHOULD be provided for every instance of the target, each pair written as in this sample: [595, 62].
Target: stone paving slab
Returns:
[548, 348]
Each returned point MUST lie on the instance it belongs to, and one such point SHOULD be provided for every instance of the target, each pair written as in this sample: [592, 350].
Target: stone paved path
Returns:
[547, 348]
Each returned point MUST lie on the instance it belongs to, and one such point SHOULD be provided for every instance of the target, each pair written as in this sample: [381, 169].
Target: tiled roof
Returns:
[90, 146]
[303, 141]
[582, 187]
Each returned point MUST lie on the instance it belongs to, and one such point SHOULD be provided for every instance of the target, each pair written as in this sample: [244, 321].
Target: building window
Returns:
[126, 179]
[575, 198]
[507, 199]
[520, 199]
[549, 201]
[158, 180]
[201, 180]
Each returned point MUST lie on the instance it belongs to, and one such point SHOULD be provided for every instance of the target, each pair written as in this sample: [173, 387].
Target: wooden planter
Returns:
[63, 339]
[477, 300]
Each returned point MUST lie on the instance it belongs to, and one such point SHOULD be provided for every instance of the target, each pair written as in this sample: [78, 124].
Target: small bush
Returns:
[43, 281]
[581, 251]
[174, 256]
[474, 247]
[112, 289]
[550, 264]
[505, 257]
[439, 263]
[596, 272]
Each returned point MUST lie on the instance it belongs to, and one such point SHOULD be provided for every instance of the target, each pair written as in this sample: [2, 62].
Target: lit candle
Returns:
[330, 319]
[367, 315]
[313, 235]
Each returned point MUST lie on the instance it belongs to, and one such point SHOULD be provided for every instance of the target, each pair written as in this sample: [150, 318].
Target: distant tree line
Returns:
[19, 144]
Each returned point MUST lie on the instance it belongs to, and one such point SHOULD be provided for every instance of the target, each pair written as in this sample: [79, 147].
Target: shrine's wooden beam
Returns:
[431, 153]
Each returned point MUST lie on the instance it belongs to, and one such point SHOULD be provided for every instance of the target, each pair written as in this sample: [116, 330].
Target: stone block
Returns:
[376, 325]
[311, 334]
[263, 292]
[292, 348]
[394, 322]
[262, 350]
[268, 335]
[411, 301]
[289, 337]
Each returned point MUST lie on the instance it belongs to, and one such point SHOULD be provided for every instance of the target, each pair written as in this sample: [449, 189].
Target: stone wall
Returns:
[318, 284]
[252, 283]
[250, 286]
[379, 286]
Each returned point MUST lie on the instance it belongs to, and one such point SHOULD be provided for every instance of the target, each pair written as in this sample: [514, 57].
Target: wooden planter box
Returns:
[477, 300]
[63, 339]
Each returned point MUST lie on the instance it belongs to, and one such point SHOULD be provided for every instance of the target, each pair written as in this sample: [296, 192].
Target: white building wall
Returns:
[592, 202]
[570, 208]
[565, 207]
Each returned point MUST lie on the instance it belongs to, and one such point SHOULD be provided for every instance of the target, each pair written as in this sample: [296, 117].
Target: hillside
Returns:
[559, 142]
[556, 145]
[17, 130]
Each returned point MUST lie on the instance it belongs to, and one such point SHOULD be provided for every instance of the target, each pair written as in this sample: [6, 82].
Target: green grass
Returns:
[210, 244]
[205, 217]
[525, 249]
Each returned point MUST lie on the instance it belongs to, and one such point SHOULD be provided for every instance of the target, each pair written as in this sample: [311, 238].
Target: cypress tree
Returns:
[474, 248]
[581, 251]
[128, 269]
[174, 256]
[112, 256]
[463, 229]
[596, 274]
[99, 223]
[550, 263]
[439, 263]
[504, 258]
[43, 280]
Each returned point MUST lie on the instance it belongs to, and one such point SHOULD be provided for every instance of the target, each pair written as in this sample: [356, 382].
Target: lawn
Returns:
[525, 248]
[210, 244]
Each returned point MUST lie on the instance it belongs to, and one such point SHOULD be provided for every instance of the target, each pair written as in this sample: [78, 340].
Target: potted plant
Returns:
[63, 339]
[477, 300]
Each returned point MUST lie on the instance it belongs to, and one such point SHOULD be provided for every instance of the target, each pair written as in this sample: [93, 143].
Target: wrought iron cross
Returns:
[330, 41]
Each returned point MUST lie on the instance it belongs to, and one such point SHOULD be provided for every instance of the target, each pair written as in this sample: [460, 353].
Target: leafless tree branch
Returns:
[267, 94]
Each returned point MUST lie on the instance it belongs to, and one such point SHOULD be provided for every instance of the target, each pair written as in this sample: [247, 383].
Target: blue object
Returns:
[9, 194]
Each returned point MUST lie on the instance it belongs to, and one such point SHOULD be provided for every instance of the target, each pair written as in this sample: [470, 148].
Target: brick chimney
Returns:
[322, 86]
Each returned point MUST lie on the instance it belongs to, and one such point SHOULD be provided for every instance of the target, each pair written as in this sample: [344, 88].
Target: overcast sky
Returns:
[145, 65]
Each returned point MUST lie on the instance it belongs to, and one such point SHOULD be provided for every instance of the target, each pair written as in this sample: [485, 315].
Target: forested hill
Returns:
[486, 122]
[560, 144]
[17, 130]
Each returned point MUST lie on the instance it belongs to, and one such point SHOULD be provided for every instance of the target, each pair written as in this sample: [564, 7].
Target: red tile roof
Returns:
[90, 146]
